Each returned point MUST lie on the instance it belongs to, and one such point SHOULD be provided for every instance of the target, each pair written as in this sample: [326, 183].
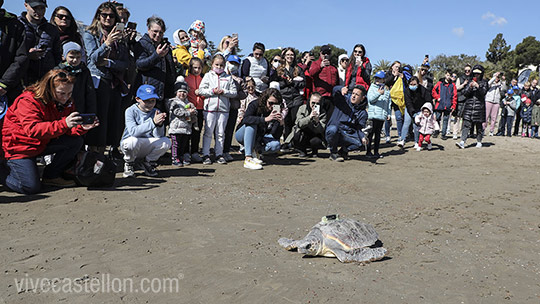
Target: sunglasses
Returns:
[467, 71]
[105, 15]
[61, 17]
[62, 75]
[250, 87]
[358, 52]
[344, 60]
[275, 60]
[274, 103]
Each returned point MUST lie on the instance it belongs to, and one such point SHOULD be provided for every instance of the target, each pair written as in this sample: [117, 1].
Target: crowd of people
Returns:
[134, 98]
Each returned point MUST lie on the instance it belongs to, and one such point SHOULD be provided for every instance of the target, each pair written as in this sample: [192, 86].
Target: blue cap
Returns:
[233, 58]
[511, 92]
[380, 74]
[146, 92]
[426, 65]
[3, 106]
[515, 87]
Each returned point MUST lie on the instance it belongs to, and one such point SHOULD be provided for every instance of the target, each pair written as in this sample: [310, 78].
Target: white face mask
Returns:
[233, 68]
[186, 43]
[276, 65]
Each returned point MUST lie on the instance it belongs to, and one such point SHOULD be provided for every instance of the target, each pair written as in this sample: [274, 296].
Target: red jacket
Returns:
[29, 126]
[359, 79]
[193, 83]
[308, 88]
[325, 79]
[445, 95]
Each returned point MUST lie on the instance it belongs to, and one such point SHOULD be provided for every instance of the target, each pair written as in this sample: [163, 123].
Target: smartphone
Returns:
[118, 4]
[165, 41]
[119, 26]
[88, 119]
[276, 108]
[132, 25]
[235, 35]
[317, 108]
[427, 56]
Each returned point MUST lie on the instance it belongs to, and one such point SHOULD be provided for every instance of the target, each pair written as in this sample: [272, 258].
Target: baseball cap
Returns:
[146, 92]
[380, 74]
[515, 87]
[233, 58]
[325, 49]
[510, 91]
[34, 3]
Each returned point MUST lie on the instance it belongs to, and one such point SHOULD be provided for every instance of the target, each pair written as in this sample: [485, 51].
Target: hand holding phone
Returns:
[276, 108]
[317, 108]
[119, 27]
[87, 119]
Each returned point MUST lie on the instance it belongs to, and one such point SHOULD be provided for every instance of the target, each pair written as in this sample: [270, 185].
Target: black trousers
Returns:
[195, 137]
[375, 132]
[308, 139]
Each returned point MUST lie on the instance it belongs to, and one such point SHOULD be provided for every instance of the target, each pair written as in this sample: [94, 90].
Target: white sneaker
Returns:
[401, 143]
[490, 133]
[250, 163]
[454, 137]
[415, 145]
[429, 146]
[228, 157]
[460, 144]
[387, 139]
[258, 161]
[418, 148]
[129, 170]
[479, 145]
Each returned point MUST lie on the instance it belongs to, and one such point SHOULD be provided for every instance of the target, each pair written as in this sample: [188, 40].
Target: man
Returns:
[325, 76]
[144, 136]
[345, 125]
[257, 67]
[42, 41]
[445, 95]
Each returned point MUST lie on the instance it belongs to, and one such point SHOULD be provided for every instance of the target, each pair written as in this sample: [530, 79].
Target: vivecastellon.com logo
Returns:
[105, 283]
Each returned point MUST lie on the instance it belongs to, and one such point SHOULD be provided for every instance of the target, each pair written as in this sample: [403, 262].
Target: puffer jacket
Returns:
[536, 114]
[475, 105]
[153, 69]
[427, 125]
[217, 103]
[380, 105]
[181, 121]
[42, 34]
[290, 90]
[526, 113]
[414, 100]
[360, 74]
[13, 53]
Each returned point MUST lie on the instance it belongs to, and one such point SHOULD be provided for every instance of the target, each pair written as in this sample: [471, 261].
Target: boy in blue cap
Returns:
[144, 136]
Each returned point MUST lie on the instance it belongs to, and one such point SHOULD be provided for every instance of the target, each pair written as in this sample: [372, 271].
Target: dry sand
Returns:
[461, 226]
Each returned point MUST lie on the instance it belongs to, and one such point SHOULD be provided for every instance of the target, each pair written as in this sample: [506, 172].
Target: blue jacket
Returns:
[97, 53]
[379, 105]
[348, 117]
[526, 113]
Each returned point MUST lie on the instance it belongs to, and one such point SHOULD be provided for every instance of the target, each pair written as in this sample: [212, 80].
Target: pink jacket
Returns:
[427, 124]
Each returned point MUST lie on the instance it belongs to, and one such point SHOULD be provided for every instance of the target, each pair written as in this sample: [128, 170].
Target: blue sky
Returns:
[391, 30]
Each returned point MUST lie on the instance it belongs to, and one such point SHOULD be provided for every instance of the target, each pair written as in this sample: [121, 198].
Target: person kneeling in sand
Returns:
[144, 136]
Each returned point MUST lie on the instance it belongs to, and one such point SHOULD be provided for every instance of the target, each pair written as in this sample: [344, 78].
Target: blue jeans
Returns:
[535, 131]
[438, 114]
[336, 137]
[405, 127]
[399, 122]
[246, 136]
[23, 176]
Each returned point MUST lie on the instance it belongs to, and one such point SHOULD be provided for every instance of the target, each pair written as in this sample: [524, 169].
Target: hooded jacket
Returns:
[426, 124]
[474, 108]
[13, 53]
[217, 103]
[380, 105]
[30, 124]
[347, 116]
[181, 120]
[182, 54]
[445, 95]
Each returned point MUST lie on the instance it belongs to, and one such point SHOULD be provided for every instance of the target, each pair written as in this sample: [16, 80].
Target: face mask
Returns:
[232, 68]
[413, 88]
[186, 43]
[218, 71]
[276, 65]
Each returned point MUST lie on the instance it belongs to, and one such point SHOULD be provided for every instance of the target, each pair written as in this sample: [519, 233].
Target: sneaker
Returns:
[415, 145]
[454, 137]
[401, 143]
[490, 133]
[285, 148]
[186, 162]
[196, 158]
[377, 155]
[429, 146]
[129, 170]
[302, 153]
[186, 158]
[418, 148]
[387, 140]
[177, 163]
[479, 145]
[221, 160]
[258, 161]
[460, 144]
[150, 168]
[250, 163]
[207, 160]
[228, 157]
[58, 182]
[444, 137]
[336, 157]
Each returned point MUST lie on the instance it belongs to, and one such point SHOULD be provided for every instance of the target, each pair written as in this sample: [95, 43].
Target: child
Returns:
[183, 117]
[427, 125]
[197, 39]
[535, 121]
[244, 103]
[510, 104]
[217, 87]
[526, 116]
[194, 80]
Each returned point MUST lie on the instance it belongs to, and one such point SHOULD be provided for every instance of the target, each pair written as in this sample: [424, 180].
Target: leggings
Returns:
[426, 137]
[377, 127]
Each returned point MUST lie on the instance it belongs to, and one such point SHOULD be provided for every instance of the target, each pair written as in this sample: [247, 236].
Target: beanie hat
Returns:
[181, 86]
[71, 46]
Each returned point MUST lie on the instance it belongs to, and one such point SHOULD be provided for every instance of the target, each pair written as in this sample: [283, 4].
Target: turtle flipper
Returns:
[361, 255]
[288, 243]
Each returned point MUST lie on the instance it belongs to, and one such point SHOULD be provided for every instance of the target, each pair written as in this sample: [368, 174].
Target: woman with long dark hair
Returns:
[358, 70]
[67, 26]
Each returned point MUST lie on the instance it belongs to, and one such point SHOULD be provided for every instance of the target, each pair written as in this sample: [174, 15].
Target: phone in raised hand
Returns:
[276, 108]
[119, 26]
[317, 108]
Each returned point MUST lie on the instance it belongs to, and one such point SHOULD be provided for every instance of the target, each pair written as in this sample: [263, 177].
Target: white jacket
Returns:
[217, 103]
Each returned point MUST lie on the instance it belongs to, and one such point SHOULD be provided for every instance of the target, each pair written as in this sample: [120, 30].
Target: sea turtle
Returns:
[346, 239]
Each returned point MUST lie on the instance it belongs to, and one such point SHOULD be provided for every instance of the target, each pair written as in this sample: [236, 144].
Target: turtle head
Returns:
[310, 247]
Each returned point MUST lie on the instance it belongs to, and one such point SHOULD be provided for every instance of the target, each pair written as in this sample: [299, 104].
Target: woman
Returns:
[228, 46]
[42, 121]
[416, 95]
[181, 51]
[496, 89]
[67, 27]
[391, 77]
[358, 70]
[343, 62]
[257, 67]
[107, 60]
[262, 125]
[154, 62]
[291, 83]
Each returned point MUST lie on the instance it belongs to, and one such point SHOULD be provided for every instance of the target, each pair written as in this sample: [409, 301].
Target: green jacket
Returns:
[303, 120]
[535, 115]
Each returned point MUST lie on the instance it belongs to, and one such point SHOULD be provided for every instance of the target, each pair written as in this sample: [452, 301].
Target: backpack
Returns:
[94, 170]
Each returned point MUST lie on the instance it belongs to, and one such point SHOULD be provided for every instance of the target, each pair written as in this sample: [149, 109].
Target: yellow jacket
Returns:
[183, 56]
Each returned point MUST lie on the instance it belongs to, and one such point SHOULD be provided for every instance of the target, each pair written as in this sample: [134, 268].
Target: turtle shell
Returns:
[348, 233]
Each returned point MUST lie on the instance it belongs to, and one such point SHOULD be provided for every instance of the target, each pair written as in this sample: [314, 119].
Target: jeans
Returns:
[509, 123]
[23, 176]
[446, 113]
[399, 123]
[246, 136]
[336, 137]
[408, 120]
[535, 131]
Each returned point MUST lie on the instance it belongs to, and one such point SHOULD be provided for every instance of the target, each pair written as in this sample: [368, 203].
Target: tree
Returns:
[333, 57]
[269, 54]
[382, 65]
[498, 49]
[212, 47]
[527, 52]
[455, 63]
